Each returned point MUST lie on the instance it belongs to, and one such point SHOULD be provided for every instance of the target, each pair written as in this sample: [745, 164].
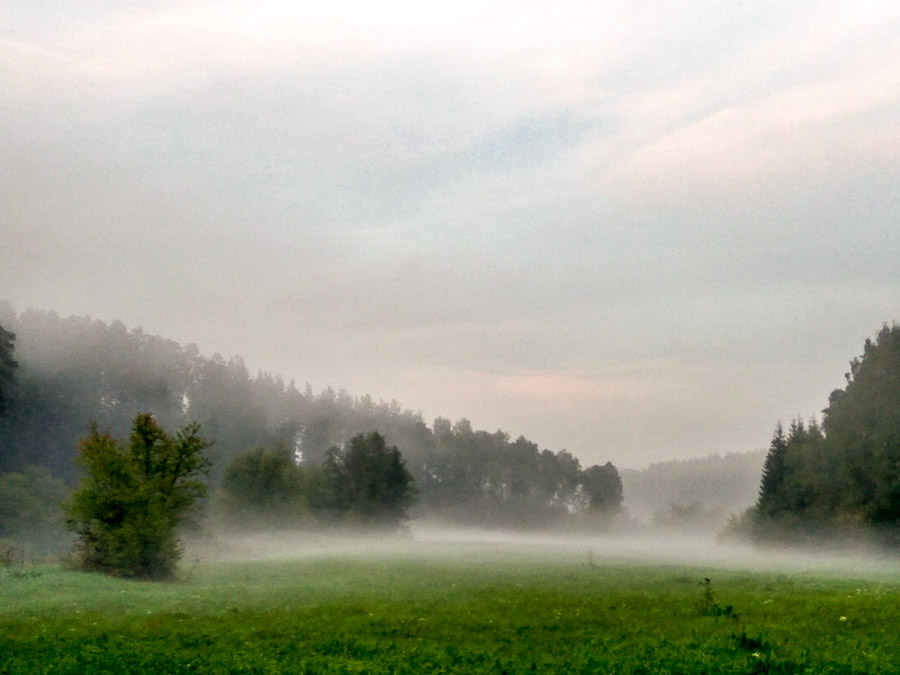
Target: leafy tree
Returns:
[260, 480]
[132, 498]
[267, 486]
[7, 363]
[862, 424]
[603, 489]
[369, 481]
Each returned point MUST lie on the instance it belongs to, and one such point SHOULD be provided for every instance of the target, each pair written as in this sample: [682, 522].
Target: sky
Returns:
[635, 230]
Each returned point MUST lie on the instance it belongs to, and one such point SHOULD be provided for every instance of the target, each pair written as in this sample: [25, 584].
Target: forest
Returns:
[278, 453]
[289, 457]
[838, 478]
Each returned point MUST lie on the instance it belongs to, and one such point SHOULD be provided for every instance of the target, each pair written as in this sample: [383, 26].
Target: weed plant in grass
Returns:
[483, 610]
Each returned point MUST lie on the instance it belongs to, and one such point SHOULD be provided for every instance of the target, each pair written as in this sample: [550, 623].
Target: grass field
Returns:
[451, 607]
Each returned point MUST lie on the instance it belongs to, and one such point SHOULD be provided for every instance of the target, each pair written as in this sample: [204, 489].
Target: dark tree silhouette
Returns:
[773, 473]
[369, 480]
[7, 364]
[603, 489]
[845, 474]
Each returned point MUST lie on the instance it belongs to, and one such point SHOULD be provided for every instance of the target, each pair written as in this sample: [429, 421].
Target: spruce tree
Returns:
[773, 475]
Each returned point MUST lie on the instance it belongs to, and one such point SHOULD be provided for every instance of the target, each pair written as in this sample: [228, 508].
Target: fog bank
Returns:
[427, 541]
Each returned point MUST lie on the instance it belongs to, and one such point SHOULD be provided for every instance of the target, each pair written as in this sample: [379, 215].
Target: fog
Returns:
[628, 233]
[436, 542]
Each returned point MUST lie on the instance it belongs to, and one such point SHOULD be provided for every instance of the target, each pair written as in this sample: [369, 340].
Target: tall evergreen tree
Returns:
[773, 473]
[844, 475]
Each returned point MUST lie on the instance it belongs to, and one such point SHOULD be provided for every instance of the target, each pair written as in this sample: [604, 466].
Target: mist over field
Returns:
[470, 337]
[442, 543]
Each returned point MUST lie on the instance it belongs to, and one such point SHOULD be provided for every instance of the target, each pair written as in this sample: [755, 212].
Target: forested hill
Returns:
[75, 370]
[705, 488]
[840, 476]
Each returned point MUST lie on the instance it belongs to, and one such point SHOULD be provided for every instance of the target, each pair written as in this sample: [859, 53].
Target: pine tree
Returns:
[773, 475]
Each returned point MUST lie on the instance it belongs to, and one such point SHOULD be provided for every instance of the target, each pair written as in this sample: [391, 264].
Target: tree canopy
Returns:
[603, 489]
[77, 369]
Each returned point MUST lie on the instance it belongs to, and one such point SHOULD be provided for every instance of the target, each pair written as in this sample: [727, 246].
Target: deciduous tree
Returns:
[369, 480]
[603, 488]
[132, 498]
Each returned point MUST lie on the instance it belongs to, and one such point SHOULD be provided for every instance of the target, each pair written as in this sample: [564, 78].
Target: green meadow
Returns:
[451, 608]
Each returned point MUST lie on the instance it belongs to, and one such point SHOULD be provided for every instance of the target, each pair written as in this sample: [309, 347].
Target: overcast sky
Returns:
[637, 230]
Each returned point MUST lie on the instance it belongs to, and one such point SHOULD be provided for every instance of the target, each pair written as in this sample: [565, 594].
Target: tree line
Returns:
[59, 375]
[839, 476]
[364, 482]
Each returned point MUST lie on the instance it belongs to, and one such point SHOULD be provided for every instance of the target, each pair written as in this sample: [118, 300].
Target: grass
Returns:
[444, 609]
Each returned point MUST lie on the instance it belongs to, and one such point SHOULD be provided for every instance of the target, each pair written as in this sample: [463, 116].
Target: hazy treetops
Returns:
[292, 456]
[685, 491]
[77, 369]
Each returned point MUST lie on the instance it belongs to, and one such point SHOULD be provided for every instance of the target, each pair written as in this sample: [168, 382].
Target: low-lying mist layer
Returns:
[436, 541]
[456, 601]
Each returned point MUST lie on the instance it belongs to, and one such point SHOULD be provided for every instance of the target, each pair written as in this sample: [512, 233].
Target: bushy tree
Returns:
[603, 489]
[133, 497]
[369, 481]
[260, 480]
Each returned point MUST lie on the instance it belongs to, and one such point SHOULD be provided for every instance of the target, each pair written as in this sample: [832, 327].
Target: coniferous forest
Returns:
[840, 476]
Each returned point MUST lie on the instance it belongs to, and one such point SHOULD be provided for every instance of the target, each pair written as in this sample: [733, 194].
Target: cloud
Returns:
[511, 208]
